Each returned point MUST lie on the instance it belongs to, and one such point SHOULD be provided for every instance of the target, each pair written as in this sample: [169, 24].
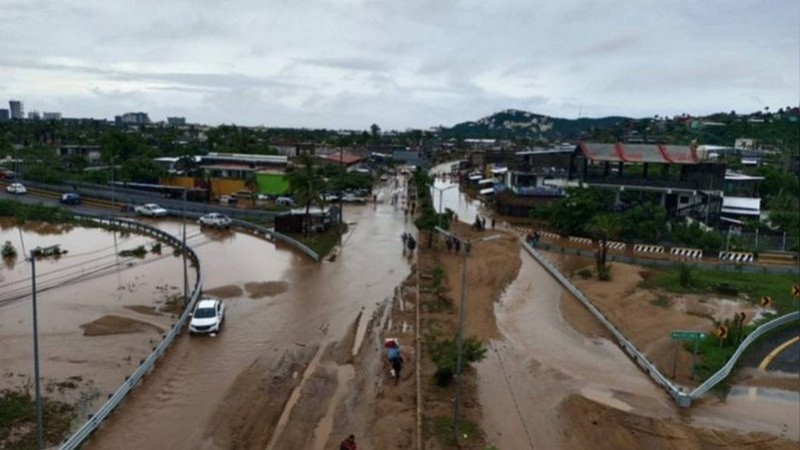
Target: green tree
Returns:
[570, 214]
[307, 186]
[604, 228]
[140, 169]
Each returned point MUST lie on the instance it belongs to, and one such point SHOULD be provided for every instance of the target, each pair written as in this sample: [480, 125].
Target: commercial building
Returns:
[51, 115]
[4, 115]
[34, 115]
[177, 121]
[132, 118]
[17, 109]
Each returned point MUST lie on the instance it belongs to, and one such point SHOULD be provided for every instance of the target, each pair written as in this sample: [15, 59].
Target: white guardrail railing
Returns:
[83, 433]
[681, 398]
[722, 373]
[676, 393]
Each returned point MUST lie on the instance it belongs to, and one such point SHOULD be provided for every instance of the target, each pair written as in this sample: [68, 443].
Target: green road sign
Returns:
[680, 335]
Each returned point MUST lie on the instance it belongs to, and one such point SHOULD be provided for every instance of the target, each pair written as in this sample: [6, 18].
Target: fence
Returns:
[259, 230]
[728, 367]
[108, 407]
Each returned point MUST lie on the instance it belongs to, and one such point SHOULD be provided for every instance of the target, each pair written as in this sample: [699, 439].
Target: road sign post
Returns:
[682, 335]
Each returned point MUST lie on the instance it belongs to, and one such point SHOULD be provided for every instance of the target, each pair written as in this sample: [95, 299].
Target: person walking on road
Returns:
[349, 443]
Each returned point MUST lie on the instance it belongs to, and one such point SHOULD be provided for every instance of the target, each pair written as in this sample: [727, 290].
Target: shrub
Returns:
[585, 273]
[138, 252]
[444, 353]
[8, 250]
[604, 272]
[685, 275]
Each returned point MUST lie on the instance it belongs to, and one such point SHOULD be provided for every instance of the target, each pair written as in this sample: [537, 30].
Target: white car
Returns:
[284, 201]
[207, 316]
[150, 210]
[16, 188]
[330, 198]
[215, 220]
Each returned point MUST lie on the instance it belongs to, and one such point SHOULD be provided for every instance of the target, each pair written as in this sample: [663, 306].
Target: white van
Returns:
[284, 201]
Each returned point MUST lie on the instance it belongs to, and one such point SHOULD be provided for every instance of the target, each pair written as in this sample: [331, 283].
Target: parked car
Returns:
[329, 198]
[263, 197]
[284, 201]
[16, 188]
[150, 210]
[227, 199]
[207, 316]
[71, 198]
[215, 220]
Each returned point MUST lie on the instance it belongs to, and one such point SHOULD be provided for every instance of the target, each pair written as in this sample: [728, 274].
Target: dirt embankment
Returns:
[597, 426]
[227, 291]
[266, 289]
[112, 324]
[644, 316]
[491, 266]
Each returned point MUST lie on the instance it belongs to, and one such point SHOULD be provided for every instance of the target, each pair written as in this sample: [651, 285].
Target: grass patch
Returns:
[442, 429]
[18, 420]
[322, 243]
[138, 252]
[755, 285]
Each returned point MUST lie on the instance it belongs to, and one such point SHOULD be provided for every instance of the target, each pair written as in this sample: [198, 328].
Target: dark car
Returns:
[71, 198]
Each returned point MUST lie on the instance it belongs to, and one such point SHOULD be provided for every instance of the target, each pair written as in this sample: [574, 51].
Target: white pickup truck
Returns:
[150, 210]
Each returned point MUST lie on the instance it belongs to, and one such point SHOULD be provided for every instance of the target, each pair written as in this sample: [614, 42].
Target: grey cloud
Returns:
[345, 63]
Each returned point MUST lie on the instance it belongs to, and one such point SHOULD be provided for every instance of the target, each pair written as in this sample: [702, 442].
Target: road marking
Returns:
[768, 359]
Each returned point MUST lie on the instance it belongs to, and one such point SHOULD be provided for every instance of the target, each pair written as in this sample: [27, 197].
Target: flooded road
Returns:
[447, 189]
[542, 360]
[322, 301]
[91, 281]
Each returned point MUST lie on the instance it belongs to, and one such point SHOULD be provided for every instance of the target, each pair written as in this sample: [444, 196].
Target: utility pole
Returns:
[341, 182]
[467, 246]
[441, 191]
[183, 252]
[37, 388]
[113, 207]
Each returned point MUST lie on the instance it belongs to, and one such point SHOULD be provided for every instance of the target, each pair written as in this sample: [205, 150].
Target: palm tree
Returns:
[604, 228]
[307, 186]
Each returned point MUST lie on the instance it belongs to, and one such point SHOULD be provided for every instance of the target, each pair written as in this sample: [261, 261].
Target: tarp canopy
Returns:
[475, 177]
[486, 181]
[487, 191]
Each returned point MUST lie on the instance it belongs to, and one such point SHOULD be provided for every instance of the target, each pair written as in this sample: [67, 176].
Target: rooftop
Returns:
[642, 153]
[346, 158]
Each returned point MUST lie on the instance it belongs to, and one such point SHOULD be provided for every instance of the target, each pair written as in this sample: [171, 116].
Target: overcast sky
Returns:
[397, 63]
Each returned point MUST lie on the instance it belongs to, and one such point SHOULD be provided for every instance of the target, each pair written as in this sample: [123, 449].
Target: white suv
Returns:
[207, 316]
[215, 220]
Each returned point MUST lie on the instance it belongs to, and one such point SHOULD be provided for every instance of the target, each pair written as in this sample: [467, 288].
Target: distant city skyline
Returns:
[413, 64]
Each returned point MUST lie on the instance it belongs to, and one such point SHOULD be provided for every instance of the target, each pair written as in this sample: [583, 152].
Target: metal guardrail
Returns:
[675, 392]
[728, 367]
[114, 400]
[258, 230]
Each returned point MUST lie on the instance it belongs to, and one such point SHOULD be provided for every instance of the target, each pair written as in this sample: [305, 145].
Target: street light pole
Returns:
[183, 252]
[441, 191]
[467, 244]
[113, 207]
[341, 181]
[37, 388]
[460, 342]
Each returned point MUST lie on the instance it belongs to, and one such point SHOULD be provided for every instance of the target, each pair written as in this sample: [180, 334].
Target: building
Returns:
[51, 115]
[17, 109]
[295, 222]
[682, 179]
[132, 118]
[4, 115]
[348, 160]
[34, 115]
[177, 121]
[90, 152]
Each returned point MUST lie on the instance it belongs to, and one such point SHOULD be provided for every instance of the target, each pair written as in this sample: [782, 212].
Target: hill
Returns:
[513, 123]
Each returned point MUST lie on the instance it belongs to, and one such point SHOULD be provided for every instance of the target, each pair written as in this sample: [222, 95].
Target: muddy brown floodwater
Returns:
[229, 390]
[98, 312]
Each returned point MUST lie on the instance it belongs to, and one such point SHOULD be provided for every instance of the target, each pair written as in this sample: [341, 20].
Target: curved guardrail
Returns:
[675, 392]
[258, 230]
[115, 399]
[726, 370]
